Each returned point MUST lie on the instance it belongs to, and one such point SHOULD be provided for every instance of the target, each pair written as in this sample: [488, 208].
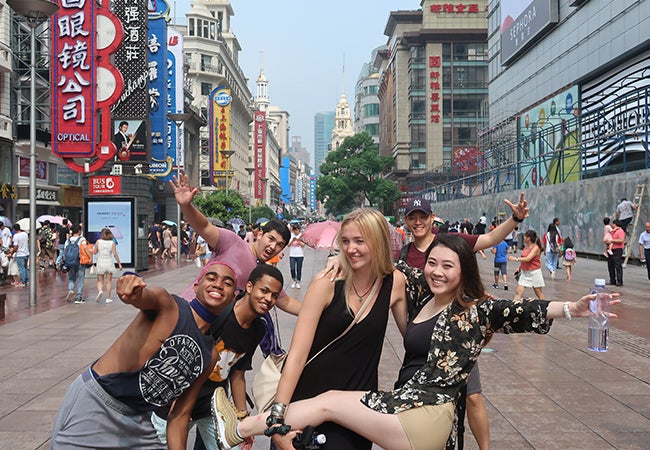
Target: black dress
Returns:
[350, 364]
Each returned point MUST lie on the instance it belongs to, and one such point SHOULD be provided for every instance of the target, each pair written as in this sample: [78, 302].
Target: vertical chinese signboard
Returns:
[158, 86]
[259, 151]
[435, 75]
[219, 126]
[74, 125]
[130, 112]
[174, 98]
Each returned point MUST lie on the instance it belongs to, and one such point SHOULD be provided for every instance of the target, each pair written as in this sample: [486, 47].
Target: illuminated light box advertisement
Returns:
[116, 215]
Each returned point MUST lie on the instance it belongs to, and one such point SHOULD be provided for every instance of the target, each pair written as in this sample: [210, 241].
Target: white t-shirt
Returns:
[5, 234]
[625, 209]
[21, 240]
[295, 249]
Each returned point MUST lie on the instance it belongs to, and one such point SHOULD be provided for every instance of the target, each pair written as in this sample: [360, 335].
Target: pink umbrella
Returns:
[321, 234]
[51, 218]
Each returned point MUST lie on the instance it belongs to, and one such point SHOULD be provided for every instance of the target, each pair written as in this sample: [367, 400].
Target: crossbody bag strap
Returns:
[357, 316]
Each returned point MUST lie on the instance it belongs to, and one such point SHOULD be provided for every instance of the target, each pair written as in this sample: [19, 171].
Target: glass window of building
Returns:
[190, 27]
[206, 88]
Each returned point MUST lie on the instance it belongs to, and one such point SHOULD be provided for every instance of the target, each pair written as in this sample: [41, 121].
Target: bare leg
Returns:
[109, 282]
[477, 417]
[568, 273]
[341, 407]
[538, 293]
[519, 293]
[100, 283]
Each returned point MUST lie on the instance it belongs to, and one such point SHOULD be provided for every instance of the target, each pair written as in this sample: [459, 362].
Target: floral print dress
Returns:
[459, 334]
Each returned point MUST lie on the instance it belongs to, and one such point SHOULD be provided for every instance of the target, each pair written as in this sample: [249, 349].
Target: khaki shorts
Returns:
[428, 427]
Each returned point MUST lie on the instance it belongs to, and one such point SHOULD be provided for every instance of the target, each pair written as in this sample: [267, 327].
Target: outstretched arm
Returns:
[184, 194]
[578, 308]
[520, 211]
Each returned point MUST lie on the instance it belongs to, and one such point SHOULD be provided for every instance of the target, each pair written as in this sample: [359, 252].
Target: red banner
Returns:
[260, 153]
[109, 185]
[74, 81]
[466, 159]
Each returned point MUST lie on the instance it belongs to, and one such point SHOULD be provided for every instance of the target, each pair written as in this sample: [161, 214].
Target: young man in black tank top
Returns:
[163, 357]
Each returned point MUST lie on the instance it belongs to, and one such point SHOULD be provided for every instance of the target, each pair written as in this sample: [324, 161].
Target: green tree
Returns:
[351, 177]
[221, 205]
[261, 211]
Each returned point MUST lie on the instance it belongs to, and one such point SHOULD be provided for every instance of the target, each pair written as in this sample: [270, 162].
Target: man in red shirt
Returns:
[615, 261]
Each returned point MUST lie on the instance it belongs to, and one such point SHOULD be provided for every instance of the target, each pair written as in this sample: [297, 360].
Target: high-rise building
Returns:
[323, 126]
[433, 89]
[366, 101]
[298, 151]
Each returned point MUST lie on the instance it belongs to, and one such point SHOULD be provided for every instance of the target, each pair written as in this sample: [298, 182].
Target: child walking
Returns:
[501, 264]
[569, 257]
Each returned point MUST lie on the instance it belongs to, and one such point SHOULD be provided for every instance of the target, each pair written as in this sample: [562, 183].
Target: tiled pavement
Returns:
[541, 391]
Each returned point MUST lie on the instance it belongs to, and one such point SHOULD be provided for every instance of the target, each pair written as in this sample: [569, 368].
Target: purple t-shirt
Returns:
[234, 252]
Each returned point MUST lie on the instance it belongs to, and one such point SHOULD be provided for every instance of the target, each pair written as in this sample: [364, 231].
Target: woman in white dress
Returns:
[106, 250]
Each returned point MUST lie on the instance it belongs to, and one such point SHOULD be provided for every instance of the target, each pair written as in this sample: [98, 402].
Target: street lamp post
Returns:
[250, 171]
[226, 154]
[179, 119]
[35, 12]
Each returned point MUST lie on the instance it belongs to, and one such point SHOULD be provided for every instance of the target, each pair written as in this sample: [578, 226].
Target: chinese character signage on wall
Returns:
[219, 126]
[74, 125]
[259, 152]
[435, 88]
[158, 82]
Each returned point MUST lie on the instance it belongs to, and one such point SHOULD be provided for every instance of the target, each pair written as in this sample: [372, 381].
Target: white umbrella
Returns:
[24, 224]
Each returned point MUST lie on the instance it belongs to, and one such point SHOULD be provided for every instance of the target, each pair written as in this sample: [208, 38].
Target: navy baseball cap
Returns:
[418, 204]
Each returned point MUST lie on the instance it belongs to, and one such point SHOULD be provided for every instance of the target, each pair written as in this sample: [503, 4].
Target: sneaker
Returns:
[109, 300]
[495, 286]
[505, 287]
[297, 285]
[552, 274]
[21, 285]
[100, 294]
[79, 301]
[609, 252]
[68, 298]
[224, 415]
[606, 254]
[293, 285]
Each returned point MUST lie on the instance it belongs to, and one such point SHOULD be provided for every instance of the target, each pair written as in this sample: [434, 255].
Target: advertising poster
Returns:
[130, 138]
[174, 104]
[117, 216]
[549, 135]
[219, 126]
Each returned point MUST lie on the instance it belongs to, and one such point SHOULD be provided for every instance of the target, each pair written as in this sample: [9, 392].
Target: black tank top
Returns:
[184, 355]
[351, 363]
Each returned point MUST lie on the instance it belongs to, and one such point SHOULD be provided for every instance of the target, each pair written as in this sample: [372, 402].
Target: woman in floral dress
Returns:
[442, 343]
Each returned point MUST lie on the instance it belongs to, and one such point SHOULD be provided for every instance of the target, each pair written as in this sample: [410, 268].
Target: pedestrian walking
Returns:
[569, 257]
[552, 244]
[72, 249]
[296, 256]
[107, 256]
[500, 252]
[615, 261]
[644, 247]
[20, 252]
[530, 267]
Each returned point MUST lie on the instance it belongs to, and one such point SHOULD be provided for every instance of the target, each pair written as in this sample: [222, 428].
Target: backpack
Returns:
[569, 254]
[71, 254]
[43, 237]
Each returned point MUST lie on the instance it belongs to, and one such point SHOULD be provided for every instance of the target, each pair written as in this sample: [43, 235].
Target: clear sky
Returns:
[305, 43]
